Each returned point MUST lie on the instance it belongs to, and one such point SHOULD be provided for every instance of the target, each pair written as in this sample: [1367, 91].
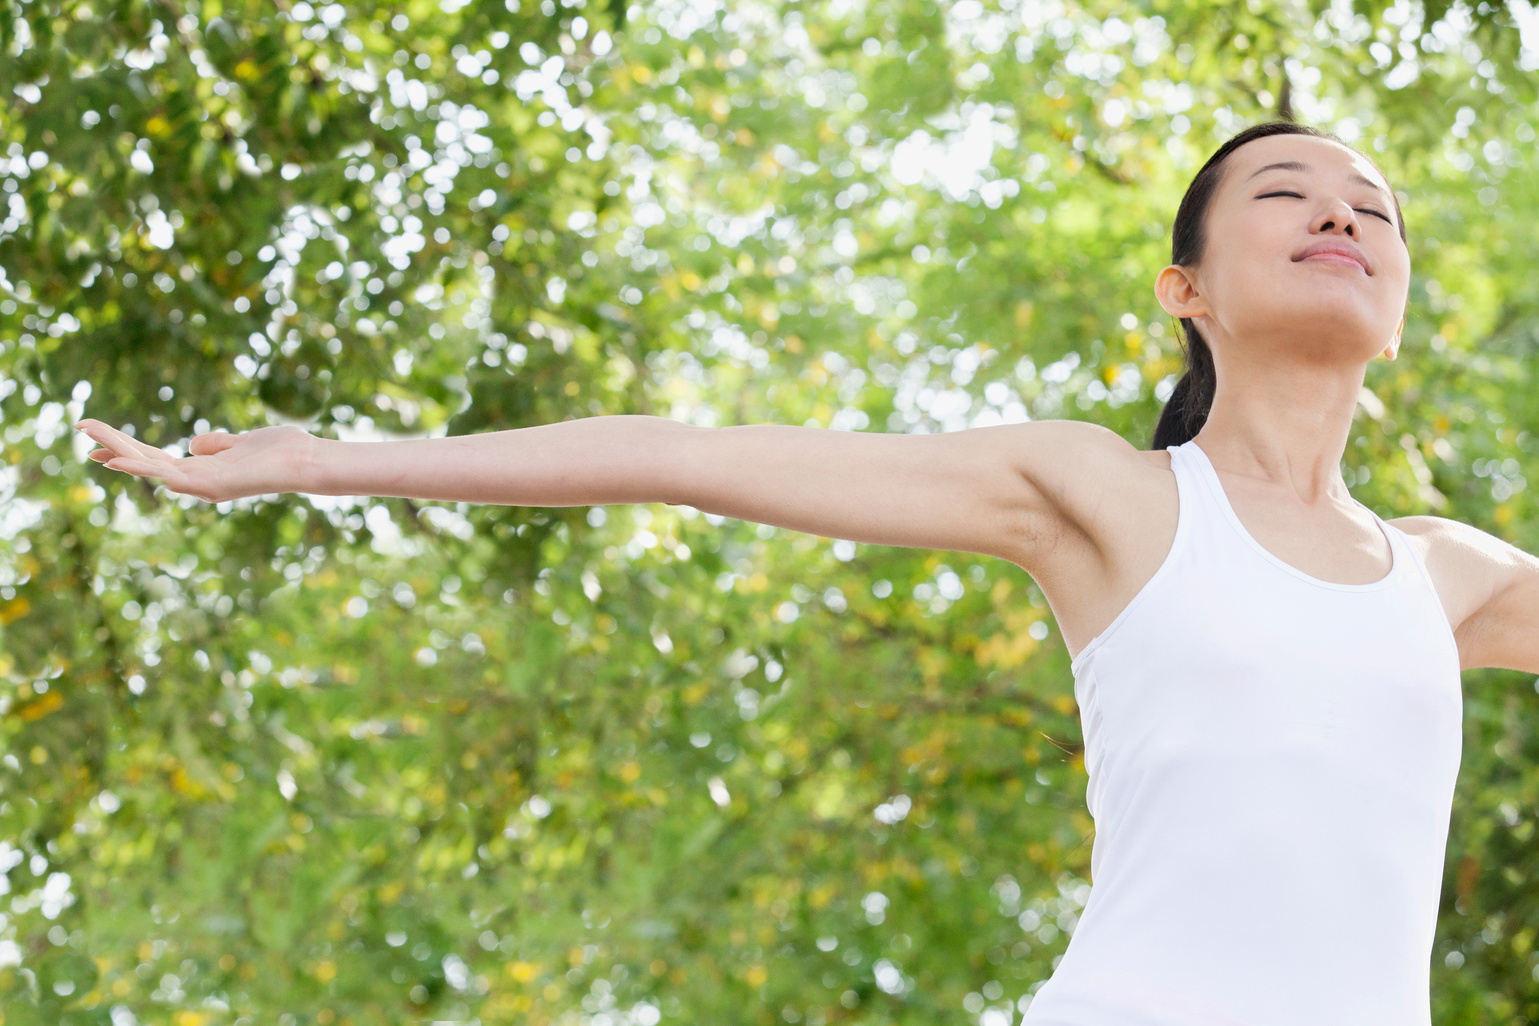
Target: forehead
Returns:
[1324, 157]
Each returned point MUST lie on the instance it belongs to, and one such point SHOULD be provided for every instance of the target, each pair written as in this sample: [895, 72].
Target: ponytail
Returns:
[1187, 409]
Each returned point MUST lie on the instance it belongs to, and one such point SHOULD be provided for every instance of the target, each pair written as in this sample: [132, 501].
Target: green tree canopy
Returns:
[306, 761]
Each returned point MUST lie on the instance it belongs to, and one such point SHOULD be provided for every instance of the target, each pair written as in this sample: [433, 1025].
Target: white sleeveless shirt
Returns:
[1272, 761]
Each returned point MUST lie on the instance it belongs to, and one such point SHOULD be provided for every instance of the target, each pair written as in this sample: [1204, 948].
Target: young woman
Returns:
[1268, 674]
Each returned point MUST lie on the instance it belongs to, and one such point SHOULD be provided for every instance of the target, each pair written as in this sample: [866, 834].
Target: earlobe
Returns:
[1393, 349]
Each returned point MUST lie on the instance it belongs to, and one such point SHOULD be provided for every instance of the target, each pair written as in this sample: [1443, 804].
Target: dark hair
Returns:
[1188, 406]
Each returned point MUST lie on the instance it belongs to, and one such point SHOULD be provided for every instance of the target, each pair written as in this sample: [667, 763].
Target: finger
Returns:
[100, 455]
[120, 443]
[135, 466]
[214, 441]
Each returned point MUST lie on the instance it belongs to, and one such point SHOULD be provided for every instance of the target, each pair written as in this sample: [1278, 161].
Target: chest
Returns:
[1334, 541]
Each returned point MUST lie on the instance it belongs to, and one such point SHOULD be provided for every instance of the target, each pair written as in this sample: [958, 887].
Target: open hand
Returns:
[222, 466]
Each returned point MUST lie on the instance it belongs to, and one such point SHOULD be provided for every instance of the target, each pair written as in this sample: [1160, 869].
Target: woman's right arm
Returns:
[1008, 491]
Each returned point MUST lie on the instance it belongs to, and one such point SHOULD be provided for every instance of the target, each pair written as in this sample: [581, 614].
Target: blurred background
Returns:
[303, 761]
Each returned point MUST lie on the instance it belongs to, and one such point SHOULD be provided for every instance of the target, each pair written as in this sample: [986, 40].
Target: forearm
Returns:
[589, 462]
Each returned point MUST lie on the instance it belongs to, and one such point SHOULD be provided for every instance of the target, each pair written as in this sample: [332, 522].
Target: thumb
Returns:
[214, 441]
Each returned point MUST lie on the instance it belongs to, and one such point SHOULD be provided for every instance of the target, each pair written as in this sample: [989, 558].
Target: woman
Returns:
[1268, 674]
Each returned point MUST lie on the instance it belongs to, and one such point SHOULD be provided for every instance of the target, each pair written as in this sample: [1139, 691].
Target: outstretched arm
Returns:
[990, 490]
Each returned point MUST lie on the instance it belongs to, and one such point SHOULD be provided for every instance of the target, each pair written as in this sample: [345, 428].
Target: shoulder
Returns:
[1494, 589]
[1467, 565]
[1452, 542]
[1078, 469]
[1066, 447]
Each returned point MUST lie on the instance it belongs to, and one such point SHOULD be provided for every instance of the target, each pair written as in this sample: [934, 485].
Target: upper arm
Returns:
[1490, 590]
[1504, 632]
[1006, 491]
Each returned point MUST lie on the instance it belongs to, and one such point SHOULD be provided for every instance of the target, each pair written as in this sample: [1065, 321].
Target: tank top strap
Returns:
[1202, 496]
[1409, 557]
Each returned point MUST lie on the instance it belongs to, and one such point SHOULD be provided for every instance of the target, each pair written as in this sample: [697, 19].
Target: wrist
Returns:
[312, 464]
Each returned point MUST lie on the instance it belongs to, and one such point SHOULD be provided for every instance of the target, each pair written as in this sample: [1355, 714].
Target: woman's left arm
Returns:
[1505, 631]
[1490, 590]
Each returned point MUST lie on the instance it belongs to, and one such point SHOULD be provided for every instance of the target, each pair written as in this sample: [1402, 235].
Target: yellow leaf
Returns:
[14, 609]
[38, 709]
[183, 784]
[1006, 650]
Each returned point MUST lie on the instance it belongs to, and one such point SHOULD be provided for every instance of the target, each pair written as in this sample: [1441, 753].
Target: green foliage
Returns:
[324, 761]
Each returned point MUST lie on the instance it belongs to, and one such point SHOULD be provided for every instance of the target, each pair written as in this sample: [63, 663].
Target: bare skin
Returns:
[1302, 283]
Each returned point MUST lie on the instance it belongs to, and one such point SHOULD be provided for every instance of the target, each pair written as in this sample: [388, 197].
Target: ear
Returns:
[1177, 292]
[1392, 350]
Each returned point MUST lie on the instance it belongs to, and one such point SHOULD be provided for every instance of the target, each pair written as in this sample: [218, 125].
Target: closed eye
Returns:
[1361, 210]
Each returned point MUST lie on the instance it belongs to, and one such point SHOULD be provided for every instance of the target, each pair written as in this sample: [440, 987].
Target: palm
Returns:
[221, 466]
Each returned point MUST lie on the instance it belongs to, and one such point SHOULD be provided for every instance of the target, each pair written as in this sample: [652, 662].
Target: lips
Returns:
[1334, 252]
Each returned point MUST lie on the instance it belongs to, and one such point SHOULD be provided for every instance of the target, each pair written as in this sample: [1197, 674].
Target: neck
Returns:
[1284, 424]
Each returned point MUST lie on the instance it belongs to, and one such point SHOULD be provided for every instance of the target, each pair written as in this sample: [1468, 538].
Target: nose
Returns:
[1338, 219]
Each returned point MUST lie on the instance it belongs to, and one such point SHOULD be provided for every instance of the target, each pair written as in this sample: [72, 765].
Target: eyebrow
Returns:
[1293, 165]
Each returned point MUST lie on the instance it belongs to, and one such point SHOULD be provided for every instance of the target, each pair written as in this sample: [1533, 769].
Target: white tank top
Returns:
[1272, 761]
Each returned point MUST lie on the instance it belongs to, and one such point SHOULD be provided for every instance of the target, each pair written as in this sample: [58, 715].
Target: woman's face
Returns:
[1303, 252]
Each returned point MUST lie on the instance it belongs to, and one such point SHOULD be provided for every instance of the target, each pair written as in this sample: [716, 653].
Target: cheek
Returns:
[1400, 270]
